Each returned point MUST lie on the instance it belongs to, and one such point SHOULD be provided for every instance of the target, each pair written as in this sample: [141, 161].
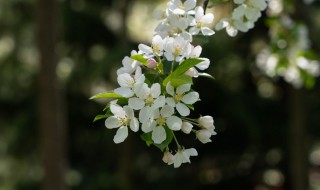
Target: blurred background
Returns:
[55, 54]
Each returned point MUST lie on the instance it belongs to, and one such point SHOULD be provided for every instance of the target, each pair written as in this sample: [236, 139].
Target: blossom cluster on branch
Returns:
[155, 96]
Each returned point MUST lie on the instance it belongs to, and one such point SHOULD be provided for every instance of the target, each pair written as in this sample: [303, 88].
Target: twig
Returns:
[205, 5]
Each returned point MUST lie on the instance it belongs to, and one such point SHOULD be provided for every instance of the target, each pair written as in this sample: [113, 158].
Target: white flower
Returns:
[176, 49]
[194, 52]
[123, 117]
[177, 7]
[259, 4]
[158, 120]
[186, 127]
[230, 28]
[183, 156]
[155, 49]
[127, 83]
[147, 100]
[167, 157]
[181, 97]
[129, 65]
[177, 23]
[200, 20]
[204, 135]
[207, 123]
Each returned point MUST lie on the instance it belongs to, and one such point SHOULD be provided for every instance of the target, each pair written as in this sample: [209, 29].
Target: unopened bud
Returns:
[192, 72]
[167, 157]
[151, 63]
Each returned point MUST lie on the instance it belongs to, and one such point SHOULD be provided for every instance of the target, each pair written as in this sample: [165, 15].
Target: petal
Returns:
[191, 152]
[174, 123]
[183, 88]
[136, 103]
[155, 90]
[177, 160]
[196, 51]
[145, 49]
[148, 126]
[121, 135]
[112, 122]
[203, 65]
[194, 30]
[158, 135]
[190, 4]
[199, 13]
[129, 112]
[159, 102]
[190, 98]
[232, 31]
[171, 102]
[166, 111]
[182, 109]
[144, 114]
[134, 124]
[208, 18]
[125, 80]
[170, 89]
[186, 127]
[124, 91]
[117, 110]
[207, 31]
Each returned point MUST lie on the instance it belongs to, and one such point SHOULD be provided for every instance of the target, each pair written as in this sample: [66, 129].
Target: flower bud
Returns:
[203, 135]
[186, 127]
[206, 122]
[192, 72]
[167, 157]
[151, 63]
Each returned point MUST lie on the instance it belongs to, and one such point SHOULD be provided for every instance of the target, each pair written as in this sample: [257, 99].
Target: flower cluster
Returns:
[243, 16]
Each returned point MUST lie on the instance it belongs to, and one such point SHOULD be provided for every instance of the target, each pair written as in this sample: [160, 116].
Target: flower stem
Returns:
[175, 139]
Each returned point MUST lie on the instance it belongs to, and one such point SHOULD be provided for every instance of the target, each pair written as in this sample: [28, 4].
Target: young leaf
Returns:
[98, 117]
[147, 137]
[140, 58]
[106, 95]
[206, 75]
[180, 80]
[181, 69]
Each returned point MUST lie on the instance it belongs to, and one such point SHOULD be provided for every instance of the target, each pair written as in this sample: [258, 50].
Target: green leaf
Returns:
[106, 95]
[147, 137]
[168, 140]
[180, 80]
[98, 117]
[140, 58]
[181, 69]
[206, 75]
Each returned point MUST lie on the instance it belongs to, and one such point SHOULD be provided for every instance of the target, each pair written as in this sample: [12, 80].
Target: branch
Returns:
[205, 5]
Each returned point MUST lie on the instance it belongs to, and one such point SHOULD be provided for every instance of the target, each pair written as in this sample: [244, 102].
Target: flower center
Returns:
[149, 100]
[124, 121]
[177, 50]
[181, 6]
[161, 121]
[178, 97]
[156, 48]
[199, 24]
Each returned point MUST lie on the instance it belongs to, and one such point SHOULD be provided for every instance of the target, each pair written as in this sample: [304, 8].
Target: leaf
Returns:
[147, 137]
[168, 140]
[140, 58]
[180, 80]
[106, 95]
[181, 69]
[98, 117]
[206, 75]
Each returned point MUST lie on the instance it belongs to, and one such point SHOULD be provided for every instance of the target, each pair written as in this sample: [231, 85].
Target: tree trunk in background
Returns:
[298, 153]
[52, 122]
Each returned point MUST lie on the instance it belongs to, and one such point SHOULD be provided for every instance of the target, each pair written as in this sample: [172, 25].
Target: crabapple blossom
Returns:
[179, 8]
[186, 127]
[123, 117]
[204, 135]
[199, 21]
[182, 156]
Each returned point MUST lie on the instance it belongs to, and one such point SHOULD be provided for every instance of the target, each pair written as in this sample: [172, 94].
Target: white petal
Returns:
[171, 102]
[197, 51]
[183, 88]
[145, 49]
[136, 103]
[134, 124]
[190, 4]
[170, 89]
[148, 126]
[203, 136]
[155, 90]
[203, 65]
[186, 127]
[207, 19]
[207, 31]
[190, 98]
[142, 90]
[191, 152]
[177, 160]
[167, 111]
[199, 13]
[159, 102]
[125, 80]
[112, 122]
[117, 110]
[174, 123]
[129, 112]
[194, 30]
[169, 55]
[158, 135]
[232, 31]
[124, 91]
[121, 135]
[182, 109]
[144, 114]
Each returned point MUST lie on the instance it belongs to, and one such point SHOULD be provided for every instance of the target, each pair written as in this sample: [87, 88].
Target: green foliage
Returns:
[106, 95]
[140, 58]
